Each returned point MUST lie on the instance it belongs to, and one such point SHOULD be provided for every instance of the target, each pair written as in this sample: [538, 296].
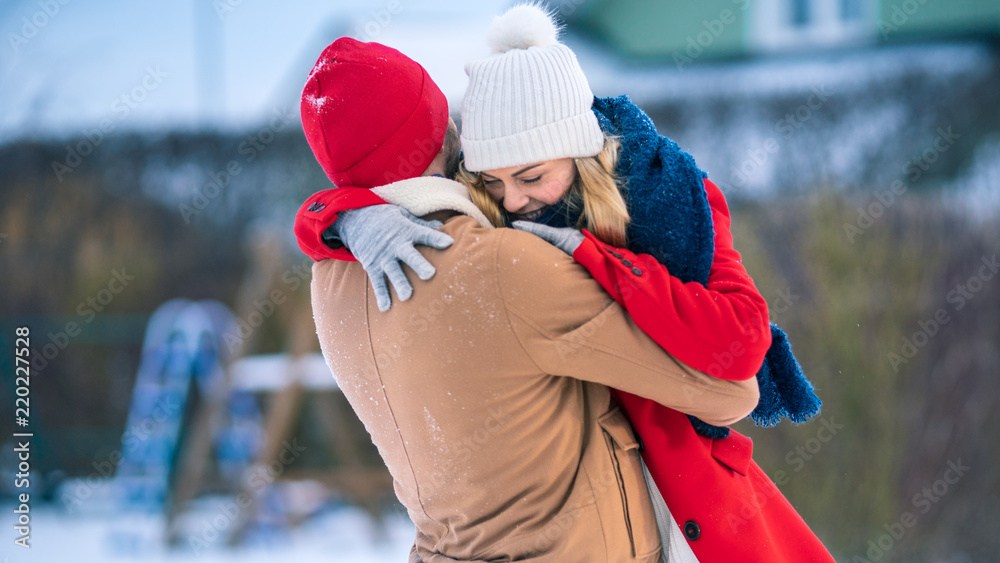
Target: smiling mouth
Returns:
[531, 216]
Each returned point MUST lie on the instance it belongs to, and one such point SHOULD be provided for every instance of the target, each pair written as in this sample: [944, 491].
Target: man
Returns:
[487, 391]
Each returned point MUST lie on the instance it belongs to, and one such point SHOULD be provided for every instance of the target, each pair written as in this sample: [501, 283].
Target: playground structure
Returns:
[206, 418]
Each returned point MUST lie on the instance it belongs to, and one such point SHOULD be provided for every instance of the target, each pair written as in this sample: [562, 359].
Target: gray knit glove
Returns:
[566, 239]
[380, 237]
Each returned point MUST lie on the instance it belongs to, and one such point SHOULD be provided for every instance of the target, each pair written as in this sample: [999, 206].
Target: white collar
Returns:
[427, 194]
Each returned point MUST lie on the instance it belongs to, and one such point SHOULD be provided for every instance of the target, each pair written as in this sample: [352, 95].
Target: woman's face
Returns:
[526, 191]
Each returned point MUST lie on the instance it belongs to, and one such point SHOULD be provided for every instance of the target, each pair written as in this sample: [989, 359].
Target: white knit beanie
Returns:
[529, 101]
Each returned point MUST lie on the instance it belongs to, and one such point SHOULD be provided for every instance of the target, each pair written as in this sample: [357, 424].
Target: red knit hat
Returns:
[371, 114]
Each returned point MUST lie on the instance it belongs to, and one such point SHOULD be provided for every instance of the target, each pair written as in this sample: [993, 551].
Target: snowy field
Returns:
[338, 535]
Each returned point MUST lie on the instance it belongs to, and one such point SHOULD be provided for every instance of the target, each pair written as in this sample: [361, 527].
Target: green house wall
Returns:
[909, 19]
[661, 28]
[707, 29]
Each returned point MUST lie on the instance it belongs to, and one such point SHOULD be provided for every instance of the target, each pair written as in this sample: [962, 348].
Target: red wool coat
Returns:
[725, 505]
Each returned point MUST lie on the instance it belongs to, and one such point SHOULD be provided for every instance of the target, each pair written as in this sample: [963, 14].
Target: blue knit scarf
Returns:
[671, 220]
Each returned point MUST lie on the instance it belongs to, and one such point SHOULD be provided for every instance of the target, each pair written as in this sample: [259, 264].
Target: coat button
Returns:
[626, 263]
[691, 530]
[637, 271]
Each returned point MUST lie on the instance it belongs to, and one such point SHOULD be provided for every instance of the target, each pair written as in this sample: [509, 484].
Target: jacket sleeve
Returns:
[721, 328]
[569, 326]
[320, 211]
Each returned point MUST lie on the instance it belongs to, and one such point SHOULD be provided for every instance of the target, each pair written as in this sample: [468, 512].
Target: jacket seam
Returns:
[392, 414]
[507, 309]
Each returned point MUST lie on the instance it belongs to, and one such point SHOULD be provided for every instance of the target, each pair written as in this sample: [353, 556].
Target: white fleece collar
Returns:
[427, 194]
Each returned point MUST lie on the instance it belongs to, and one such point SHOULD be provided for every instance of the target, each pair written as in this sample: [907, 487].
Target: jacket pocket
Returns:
[623, 448]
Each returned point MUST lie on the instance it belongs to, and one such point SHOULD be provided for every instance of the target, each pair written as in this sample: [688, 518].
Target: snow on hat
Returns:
[372, 115]
[529, 101]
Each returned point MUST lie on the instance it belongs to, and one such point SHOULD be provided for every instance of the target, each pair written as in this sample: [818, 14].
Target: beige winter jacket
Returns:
[487, 396]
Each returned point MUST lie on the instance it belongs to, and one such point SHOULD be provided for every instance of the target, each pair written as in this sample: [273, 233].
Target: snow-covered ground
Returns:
[339, 535]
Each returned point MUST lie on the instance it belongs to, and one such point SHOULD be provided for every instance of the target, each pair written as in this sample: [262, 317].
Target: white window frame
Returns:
[772, 30]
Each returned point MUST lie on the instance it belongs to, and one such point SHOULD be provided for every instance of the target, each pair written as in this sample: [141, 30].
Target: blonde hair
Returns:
[595, 189]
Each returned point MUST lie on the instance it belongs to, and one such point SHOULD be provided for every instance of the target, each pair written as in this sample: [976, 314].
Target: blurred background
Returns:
[152, 160]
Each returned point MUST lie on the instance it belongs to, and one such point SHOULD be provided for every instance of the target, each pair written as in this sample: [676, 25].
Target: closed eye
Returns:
[531, 180]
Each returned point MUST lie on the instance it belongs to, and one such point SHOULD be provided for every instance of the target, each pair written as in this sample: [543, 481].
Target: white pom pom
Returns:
[523, 26]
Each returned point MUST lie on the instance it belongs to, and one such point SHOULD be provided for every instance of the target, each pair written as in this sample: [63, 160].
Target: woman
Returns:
[543, 155]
